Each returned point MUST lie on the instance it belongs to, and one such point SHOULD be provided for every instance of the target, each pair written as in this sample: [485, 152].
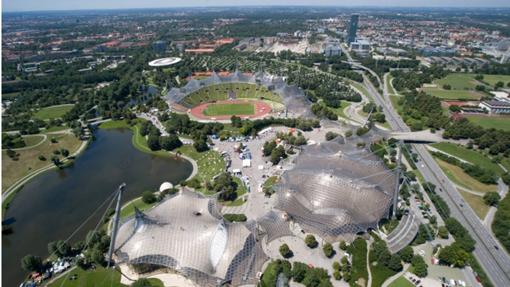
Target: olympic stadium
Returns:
[270, 95]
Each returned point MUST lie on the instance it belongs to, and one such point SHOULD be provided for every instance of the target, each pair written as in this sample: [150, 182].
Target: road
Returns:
[495, 261]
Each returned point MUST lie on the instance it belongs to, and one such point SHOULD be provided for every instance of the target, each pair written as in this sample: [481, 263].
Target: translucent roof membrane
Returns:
[181, 233]
[336, 190]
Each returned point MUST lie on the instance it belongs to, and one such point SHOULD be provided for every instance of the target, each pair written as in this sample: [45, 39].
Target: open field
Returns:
[462, 179]
[53, 112]
[32, 140]
[28, 159]
[100, 277]
[462, 87]
[359, 272]
[458, 81]
[221, 92]
[469, 155]
[453, 94]
[493, 79]
[229, 109]
[496, 122]
[401, 282]
[210, 163]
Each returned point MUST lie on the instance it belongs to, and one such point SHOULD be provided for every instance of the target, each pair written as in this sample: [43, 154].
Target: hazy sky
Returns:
[27, 5]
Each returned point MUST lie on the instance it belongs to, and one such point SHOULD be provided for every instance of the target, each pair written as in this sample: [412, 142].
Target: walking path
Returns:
[396, 276]
[32, 146]
[33, 174]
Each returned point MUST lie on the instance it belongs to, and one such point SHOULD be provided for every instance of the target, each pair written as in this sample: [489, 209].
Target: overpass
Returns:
[489, 252]
[424, 136]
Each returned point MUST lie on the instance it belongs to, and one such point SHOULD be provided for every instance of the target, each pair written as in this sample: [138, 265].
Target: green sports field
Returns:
[496, 122]
[462, 86]
[453, 94]
[220, 92]
[229, 109]
[53, 112]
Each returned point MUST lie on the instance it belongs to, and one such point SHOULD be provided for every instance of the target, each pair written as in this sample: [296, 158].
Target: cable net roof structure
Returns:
[186, 234]
[295, 101]
[336, 190]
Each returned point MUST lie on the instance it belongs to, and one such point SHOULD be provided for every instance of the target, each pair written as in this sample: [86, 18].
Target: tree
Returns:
[499, 85]
[153, 142]
[331, 135]
[170, 142]
[148, 197]
[236, 121]
[454, 255]
[42, 157]
[268, 147]
[299, 270]
[395, 263]
[64, 152]
[59, 248]
[491, 198]
[419, 266]
[31, 263]
[278, 154]
[311, 241]
[442, 232]
[328, 250]
[285, 251]
[342, 245]
[200, 145]
[406, 254]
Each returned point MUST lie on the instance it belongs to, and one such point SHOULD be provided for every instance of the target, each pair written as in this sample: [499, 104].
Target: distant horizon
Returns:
[99, 5]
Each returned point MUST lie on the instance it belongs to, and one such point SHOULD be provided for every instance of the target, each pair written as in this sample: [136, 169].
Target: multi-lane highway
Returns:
[491, 255]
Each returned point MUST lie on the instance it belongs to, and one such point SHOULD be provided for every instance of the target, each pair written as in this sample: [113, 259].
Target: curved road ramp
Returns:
[404, 234]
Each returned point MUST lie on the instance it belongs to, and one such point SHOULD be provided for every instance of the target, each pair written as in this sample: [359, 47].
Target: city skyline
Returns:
[32, 5]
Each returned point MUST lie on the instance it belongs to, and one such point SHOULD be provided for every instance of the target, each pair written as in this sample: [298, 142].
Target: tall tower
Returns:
[353, 28]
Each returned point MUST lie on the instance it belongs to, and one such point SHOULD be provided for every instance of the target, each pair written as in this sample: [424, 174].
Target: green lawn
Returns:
[493, 79]
[394, 102]
[462, 179]
[469, 155]
[401, 282]
[241, 189]
[230, 109]
[28, 160]
[340, 111]
[210, 163]
[380, 273]
[359, 271]
[53, 112]
[453, 94]
[496, 122]
[31, 140]
[458, 81]
[362, 89]
[100, 277]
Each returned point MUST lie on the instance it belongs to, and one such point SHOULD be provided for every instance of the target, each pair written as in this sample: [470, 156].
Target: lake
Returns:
[53, 204]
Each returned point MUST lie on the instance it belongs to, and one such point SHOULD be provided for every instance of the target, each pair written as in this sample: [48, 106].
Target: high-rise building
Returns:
[159, 47]
[353, 27]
